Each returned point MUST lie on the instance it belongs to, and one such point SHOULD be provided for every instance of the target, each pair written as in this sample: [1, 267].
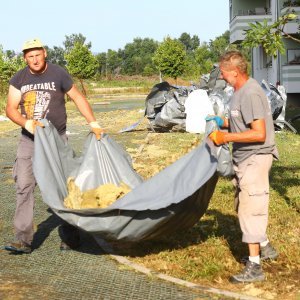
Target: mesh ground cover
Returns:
[48, 273]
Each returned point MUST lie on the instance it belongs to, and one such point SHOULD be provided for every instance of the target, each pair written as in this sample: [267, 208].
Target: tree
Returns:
[219, 45]
[113, 62]
[195, 42]
[137, 55]
[81, 63]
[170, 58]
[10, 53]
[203, 57]
[56, 55]
[8, 67]
[101, 59]
[190, 43]
[270, 37]
[72, 39]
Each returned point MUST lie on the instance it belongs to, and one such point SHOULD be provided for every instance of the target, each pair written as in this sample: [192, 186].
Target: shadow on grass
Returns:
[282, 178]
[218, 225]
[87, 242]
[44, 229]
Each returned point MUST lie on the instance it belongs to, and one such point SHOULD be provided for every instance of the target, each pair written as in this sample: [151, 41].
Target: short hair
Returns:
[236, 59]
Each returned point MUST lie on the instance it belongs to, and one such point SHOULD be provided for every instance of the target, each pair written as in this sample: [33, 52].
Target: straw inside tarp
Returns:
[173, 199]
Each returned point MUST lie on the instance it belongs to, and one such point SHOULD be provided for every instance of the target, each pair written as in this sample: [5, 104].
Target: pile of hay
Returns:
[100, 197]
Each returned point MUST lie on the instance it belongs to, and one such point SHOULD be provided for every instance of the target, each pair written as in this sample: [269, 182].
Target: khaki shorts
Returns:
[252, 197]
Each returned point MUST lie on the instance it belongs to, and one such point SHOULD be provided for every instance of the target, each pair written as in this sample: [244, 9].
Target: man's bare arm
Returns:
[82, 104]
[12, 106]
[256, 134]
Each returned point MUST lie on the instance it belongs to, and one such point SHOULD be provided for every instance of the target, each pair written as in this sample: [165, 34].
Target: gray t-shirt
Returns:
[250, 103]
[43, 95]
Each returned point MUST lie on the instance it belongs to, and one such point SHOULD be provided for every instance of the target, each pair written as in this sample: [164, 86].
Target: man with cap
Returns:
[39, 91]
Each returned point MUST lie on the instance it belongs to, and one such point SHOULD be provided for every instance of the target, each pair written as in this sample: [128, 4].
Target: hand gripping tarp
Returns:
[171, 200]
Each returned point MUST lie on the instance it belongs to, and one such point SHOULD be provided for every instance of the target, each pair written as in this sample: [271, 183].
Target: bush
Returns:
[2, 104]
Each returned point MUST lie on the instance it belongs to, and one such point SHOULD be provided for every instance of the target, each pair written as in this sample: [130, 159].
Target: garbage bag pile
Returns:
[184, 108]
[277, 98]
[165, 106]
[172, 200]
[172, 108]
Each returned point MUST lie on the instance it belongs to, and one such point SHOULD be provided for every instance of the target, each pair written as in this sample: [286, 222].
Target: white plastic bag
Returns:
[197, 107]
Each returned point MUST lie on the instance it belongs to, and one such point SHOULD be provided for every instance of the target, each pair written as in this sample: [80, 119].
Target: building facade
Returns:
[285, 69]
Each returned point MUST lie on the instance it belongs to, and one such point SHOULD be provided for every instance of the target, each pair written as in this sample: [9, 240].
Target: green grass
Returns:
[210, 252]
[292, 111]
[120, 85]
[126, 81]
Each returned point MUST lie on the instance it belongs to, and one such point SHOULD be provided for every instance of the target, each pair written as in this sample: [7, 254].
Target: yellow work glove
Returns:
[218, 137]
[30, 125]
[96, 129]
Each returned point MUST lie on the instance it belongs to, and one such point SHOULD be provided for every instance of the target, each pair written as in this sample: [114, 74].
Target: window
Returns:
[230, 10]
[293, 56]
[268, 6]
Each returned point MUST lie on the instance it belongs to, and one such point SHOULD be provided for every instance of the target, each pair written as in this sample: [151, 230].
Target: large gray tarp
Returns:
[171, 200]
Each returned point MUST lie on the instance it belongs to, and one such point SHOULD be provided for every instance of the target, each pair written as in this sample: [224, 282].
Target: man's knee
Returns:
[25, 184]
[23, 175]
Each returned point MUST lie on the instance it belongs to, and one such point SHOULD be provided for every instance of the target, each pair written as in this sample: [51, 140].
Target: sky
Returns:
[109, 24]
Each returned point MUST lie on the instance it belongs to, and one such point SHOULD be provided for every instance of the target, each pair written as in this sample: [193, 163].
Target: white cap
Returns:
[31, 44]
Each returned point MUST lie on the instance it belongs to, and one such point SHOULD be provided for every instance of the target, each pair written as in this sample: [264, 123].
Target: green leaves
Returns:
[203, 57]
[74, 38]
[81, 63]
[190, 43]
[219, 45]
[56, 55]
[137, 56]
[8, 67]
[170, 58]
[269, 36]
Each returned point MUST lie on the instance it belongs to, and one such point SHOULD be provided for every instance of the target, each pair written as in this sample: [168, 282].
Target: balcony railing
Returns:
[258, 11]
[291, 4]
[291, 78]
[240, 23]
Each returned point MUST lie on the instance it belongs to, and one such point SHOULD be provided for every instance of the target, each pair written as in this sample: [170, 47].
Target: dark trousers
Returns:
[25, 184]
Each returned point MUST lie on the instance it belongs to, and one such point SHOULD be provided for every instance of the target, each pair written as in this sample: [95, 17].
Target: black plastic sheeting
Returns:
[171, 200]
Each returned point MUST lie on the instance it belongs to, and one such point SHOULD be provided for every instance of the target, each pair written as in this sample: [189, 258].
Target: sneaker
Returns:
[251, 273]
[18, 247]
[266, 253]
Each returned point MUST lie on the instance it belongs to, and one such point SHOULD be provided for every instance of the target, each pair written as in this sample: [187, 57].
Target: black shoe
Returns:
[266, 253]
[64, 246]
[251, 273]
[70, 237]
[18, 247]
